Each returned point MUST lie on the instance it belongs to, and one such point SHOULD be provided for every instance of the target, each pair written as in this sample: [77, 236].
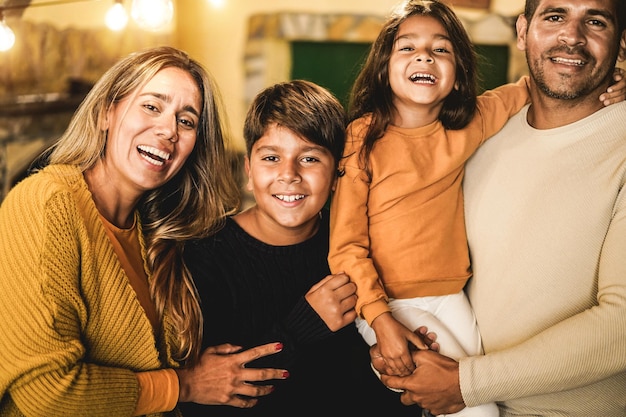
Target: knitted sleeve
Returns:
[43, 365]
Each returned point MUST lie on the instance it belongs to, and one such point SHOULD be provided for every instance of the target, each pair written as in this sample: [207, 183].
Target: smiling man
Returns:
[546, 224]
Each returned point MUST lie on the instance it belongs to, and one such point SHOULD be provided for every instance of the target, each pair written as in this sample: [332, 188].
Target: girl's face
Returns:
[152, 132]
[291, 180]
[422, 70]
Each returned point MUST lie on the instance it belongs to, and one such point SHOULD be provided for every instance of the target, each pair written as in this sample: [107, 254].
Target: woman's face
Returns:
[152, 131]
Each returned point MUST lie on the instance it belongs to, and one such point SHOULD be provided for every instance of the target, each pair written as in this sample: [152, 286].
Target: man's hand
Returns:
[434, 385]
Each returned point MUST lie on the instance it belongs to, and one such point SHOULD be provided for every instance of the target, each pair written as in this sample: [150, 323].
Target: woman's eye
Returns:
[187, 123]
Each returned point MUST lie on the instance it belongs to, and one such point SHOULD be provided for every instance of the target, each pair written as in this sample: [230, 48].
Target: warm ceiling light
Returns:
[152, 14]
[116, 18]
[7, 37]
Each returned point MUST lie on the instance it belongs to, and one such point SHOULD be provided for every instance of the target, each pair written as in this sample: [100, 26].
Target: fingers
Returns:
[259, 352]
[616, 92]
[224, 349]
[417, 340]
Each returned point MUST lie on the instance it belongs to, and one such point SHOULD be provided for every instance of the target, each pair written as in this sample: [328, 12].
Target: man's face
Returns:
[571, 46]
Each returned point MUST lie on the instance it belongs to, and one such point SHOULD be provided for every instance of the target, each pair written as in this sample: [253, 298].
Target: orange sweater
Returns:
[402, 234]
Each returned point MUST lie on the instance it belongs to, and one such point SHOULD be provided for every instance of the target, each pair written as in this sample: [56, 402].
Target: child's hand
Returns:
[394, 340]
[616, 92]
[333, 299]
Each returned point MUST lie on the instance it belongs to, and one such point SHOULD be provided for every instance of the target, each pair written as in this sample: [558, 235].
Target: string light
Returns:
[150, 15]
[7, 37]
[116, 18]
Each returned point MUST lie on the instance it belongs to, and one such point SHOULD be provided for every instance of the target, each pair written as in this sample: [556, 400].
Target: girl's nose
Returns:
[425, 58]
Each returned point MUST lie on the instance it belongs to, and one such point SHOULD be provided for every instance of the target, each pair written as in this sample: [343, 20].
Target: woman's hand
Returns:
[221, 378]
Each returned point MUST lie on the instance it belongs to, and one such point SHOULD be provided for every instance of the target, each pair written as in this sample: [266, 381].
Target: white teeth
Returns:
[423, 78]
[153, 155]
[569, 61]
[289, 198]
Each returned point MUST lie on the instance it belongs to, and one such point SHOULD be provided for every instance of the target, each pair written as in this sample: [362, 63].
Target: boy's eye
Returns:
[309, 159]
[270, 158]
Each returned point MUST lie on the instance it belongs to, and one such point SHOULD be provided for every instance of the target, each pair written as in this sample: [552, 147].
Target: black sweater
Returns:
[253, 293]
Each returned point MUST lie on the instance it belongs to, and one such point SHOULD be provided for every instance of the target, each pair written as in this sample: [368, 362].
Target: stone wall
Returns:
[44, 77]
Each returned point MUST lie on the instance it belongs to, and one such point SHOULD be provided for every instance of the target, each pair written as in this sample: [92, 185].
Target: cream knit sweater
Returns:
[546, 225]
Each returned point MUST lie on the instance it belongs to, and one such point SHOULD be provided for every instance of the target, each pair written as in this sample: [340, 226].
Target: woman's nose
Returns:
[167, 128]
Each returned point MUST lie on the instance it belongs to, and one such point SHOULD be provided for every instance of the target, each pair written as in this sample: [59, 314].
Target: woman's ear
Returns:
[103, 119]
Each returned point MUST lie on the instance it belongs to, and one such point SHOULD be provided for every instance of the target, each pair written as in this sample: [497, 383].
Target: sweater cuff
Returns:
[305, 324]
[373, 310]
[158, 391]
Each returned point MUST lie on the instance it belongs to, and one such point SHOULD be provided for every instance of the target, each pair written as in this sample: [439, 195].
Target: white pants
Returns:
[452, 319]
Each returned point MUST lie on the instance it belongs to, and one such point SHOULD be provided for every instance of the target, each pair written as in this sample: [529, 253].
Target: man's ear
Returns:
[521, 26]
[246, 163]
[621, 55]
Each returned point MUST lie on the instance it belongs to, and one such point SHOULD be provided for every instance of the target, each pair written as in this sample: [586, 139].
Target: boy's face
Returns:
[291, 180]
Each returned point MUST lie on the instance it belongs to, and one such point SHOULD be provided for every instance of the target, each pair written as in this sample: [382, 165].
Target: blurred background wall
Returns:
[62, 47]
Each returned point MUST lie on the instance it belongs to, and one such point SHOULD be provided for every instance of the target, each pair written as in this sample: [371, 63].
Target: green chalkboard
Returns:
[335, 65]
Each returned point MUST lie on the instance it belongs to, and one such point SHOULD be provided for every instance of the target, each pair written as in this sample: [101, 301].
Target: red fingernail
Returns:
[279, 346]
[285, 374]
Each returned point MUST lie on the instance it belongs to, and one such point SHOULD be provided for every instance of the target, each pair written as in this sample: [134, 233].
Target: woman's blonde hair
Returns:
[194, 203]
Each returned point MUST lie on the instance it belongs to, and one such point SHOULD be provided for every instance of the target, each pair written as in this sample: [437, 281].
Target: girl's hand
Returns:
[616, 92]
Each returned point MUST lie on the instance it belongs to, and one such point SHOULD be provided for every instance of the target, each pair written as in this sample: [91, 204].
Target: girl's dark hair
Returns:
[303, 107]
[371, 93]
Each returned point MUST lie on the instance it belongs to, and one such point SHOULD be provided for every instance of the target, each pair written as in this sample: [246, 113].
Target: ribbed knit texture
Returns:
[402, 235]
[546, 224]
[73, 332]
[253, 293]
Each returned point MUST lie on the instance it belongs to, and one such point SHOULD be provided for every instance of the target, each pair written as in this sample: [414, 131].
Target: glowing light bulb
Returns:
[7, 37]
[152, 14]
[116, 18]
